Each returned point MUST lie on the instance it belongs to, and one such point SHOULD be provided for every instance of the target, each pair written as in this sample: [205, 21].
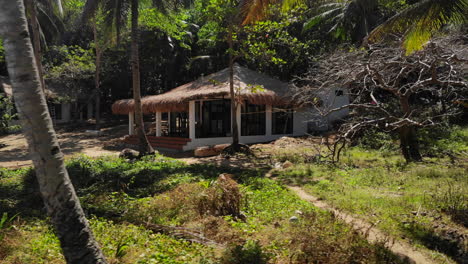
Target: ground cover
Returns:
[256, 221]
[424, 203]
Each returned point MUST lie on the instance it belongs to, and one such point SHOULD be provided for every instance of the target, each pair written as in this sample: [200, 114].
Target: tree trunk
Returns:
[235, 130]
[31, 7]
[62, 204]
[143, 146]
[409, 144]
[96, 76]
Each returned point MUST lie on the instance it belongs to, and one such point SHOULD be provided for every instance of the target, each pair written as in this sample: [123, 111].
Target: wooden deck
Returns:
[175, 143]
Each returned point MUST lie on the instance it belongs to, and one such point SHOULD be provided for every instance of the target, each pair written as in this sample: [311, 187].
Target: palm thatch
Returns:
[252, 86]
[5, 88]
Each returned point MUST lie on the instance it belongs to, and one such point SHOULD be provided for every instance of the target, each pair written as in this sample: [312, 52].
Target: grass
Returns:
[425, 203]
[123, 198]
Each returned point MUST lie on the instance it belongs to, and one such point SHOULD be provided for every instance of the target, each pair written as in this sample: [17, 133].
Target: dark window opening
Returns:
[282, 121]
[213, 118]
[178, 124]
[57, 111]
[253, 120]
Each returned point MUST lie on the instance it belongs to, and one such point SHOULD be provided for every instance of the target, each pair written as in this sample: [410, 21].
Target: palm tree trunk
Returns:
[96, 76]
[62, 204]
[235, 130]
[144, 146]
[31, 7]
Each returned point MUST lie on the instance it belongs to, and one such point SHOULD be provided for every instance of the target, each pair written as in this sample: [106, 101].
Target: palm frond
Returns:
[420, 21]
[254, 10]
[327, 15]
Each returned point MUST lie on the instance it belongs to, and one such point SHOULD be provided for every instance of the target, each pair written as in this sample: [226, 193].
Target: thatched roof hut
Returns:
[215, 85]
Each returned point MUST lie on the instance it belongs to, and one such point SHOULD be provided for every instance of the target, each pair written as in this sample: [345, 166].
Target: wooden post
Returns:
[268, 120]
[192, 120]
[131, 123]
[158, 123]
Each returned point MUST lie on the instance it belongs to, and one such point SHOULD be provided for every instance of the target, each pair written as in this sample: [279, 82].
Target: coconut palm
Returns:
[346, 19]
[116, 13]
[420, 21]
[61, 202]
[44, 19]
[247, 12]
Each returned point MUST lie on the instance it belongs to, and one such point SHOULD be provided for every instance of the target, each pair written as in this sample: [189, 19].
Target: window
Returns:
[178, 124]
[282, 121]
[212, 118]
[253, 120]
[56, 111]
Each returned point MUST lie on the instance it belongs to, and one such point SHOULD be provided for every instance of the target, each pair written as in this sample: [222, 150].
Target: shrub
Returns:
[223, 198]
[250, 252]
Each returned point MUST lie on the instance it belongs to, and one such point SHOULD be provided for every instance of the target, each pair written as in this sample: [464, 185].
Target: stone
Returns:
[287, 164]
[205, 152]
[299, 212]
[219, 148]
[95, 133]
[129, 154]
[293, 219]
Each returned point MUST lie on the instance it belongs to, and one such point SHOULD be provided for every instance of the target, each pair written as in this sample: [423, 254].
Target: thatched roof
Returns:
[5, 87]
[215, 85]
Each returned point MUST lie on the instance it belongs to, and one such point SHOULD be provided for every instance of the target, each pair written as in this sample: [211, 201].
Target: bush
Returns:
[223, 198]
[250, 252]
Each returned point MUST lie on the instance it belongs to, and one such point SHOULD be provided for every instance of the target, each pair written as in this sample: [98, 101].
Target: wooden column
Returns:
[158, 124]
[268, 120]
[131, 123]
[192, 120]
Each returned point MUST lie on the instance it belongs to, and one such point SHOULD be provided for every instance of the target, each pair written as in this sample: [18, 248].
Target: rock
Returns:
[277, 165]
[299, 212]
[205, 152]
[293, 219]
[129, 154]
[219, 148]
[95, 133]
[287, 164]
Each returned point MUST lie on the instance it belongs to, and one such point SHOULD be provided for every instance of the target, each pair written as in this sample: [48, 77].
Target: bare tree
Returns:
[63, 206]
[390, 91]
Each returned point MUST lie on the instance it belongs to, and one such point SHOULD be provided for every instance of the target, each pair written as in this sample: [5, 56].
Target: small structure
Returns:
[65, 105]
[199, 113]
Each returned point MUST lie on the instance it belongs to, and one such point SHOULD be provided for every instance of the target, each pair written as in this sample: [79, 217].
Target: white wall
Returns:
[299, 129]
[318, 122]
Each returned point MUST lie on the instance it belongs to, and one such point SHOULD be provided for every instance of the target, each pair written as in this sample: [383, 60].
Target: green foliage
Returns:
[442, 140]
[377, 140]
[250, 252]
[7, 114]
[382, 188]
[5, 224]
[2, 53]
[272, 47]
[421, 20]
[72, 62]
[172, 24]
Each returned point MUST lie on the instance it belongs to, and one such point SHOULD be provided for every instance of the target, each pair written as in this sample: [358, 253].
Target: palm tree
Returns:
[63, 206]
[43, 11]
[352, 19]
[420, 21]
[248, 12]
[116, 16]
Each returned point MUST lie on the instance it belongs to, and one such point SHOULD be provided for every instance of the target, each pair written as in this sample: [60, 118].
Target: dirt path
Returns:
[400, 248]
[14, 151]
